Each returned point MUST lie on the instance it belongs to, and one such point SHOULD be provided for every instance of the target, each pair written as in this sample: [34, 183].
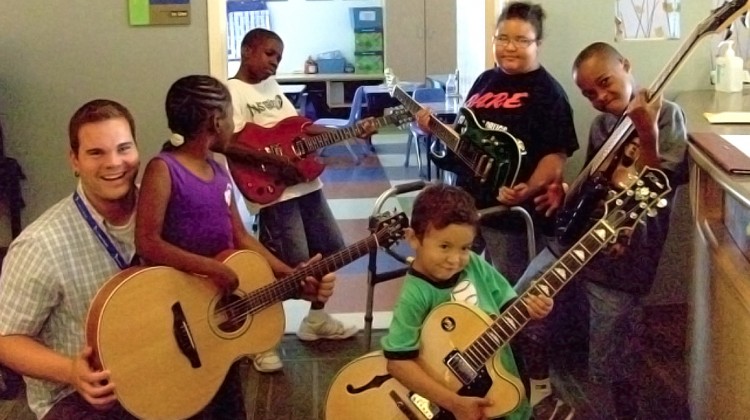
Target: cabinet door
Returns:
[405, 38]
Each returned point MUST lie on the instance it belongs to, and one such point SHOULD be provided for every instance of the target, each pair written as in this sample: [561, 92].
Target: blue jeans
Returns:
[508, 251]
[615, 324]
[296, 229]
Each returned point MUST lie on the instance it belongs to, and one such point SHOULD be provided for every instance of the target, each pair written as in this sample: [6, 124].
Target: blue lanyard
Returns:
[100, 234]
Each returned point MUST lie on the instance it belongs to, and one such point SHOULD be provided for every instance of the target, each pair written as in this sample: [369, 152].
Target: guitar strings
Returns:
[501, 331]
[289, 285]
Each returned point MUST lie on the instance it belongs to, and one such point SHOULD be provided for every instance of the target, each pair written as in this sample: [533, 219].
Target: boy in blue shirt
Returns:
[444, 224]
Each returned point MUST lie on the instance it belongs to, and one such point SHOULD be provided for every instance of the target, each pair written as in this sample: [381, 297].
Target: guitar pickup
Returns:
[460, 367]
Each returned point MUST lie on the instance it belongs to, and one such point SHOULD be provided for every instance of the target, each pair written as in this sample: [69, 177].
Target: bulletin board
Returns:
[159, 12]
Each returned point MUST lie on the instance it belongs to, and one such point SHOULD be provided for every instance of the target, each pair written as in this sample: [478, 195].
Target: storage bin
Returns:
[366, 18]
[331, 65]
[368, 41]
[368, 62]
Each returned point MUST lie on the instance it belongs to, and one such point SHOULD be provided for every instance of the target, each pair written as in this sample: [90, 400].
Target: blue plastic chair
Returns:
[355, 115]
[416, 135]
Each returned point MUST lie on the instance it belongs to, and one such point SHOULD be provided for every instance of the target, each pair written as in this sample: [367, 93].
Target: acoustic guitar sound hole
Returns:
[231, 313]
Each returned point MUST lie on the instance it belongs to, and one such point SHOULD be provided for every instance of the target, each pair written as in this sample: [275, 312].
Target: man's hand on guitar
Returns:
[313, 289]
[94, 386]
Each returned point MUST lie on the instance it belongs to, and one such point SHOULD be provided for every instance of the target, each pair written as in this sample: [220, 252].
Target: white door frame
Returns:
[216, 12]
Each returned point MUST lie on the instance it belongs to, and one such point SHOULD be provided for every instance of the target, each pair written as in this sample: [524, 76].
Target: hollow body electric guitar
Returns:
[263, 184]
[169, 337]
[492, 157]
[458, 342]
[589, 189]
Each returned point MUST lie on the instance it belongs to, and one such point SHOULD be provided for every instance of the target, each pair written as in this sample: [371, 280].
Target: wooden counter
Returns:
[719, 338]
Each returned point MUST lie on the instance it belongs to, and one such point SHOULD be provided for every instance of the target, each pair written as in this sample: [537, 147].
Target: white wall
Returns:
[568, 32]
[475, 25]
[312, 27]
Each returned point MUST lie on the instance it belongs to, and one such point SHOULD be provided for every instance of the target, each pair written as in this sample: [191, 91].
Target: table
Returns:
[337, 88]
[438, 79]
[293, 92]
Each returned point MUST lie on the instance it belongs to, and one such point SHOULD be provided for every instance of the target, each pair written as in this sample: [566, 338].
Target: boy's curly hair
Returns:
[441, 205]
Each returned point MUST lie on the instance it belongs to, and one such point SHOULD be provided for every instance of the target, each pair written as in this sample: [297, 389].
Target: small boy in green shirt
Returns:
[444, 223]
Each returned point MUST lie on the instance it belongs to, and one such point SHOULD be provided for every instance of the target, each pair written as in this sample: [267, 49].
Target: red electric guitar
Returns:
[261, 183]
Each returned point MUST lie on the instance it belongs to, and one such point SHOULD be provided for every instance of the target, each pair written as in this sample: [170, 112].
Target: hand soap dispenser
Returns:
[730, 70]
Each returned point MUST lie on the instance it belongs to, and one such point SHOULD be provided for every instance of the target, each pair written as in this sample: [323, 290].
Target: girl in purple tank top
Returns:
[186, 214]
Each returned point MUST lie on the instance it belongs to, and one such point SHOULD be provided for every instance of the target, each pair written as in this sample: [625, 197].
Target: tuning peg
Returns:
[650, 213]
[662, 203]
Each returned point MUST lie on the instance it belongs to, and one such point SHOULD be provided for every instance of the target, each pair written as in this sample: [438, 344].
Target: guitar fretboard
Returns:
[445, 134]
[516, 316]
[289, 286]
[311, 144]
[473, 158]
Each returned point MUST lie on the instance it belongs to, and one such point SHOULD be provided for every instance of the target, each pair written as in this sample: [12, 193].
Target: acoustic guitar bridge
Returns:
[183, 336]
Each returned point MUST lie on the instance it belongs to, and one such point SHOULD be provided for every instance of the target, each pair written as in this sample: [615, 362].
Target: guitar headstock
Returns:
[399, 116]
[642, 198]
[389, 229]
[396, 91]
[723, 16]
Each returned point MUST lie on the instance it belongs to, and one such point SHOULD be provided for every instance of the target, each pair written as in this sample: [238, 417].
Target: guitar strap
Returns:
[104, 239]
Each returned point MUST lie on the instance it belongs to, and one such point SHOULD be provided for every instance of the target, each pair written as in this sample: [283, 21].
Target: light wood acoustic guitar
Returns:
[169, 337]
[459, 342]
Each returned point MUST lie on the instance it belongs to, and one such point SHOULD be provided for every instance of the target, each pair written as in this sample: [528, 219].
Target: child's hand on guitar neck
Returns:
[423, 120]
[366, 127]
[223, 277]
[644, 111]
[313, 289]
[539, 306]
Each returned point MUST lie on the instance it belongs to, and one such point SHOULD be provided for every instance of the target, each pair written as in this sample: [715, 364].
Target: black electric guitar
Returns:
[458, 342]
[590, 187]
[492, 156]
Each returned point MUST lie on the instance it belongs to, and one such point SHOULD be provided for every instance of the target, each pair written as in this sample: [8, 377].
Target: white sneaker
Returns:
[329, 329]
[267, 362]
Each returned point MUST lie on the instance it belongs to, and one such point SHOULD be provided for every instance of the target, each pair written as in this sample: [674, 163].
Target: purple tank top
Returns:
[198, 217]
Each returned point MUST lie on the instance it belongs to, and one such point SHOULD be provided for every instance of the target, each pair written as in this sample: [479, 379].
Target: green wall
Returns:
[56, 55]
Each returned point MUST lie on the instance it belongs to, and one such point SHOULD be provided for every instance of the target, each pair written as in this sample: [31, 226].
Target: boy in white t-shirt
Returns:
[299, 224]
